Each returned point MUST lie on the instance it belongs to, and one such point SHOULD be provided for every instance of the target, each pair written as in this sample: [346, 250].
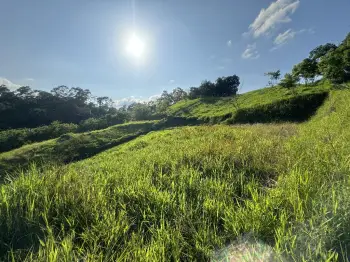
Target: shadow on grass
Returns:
[70, 148]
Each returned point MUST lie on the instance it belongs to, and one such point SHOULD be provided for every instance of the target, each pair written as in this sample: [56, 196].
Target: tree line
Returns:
[27, 108]
[329, 61]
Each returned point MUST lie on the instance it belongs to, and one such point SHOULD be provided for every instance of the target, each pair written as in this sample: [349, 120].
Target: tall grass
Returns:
[189, 193]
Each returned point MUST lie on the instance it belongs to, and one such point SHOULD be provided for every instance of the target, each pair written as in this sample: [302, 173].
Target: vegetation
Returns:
[14, 138]
[72, 147]
[199, 189]
[335, 64]
[159, 193]
[224, 86]
[296, 109]
[307, 69]
[223, 108]
[321, 51]
[25, 107]
[290, 81]
[274, 76]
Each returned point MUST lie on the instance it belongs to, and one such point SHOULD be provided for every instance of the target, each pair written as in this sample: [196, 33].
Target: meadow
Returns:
[195, 193]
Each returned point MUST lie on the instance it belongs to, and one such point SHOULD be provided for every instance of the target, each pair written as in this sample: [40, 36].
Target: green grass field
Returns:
[192, 194]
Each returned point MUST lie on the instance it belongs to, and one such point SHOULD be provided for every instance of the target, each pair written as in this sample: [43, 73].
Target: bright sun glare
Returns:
[135, 46]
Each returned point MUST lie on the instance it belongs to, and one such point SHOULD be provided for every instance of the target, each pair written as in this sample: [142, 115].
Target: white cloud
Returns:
[285, 37]
[8, 83]
[277, 13]
[171, 81]
[251, 52]
[229, 43]
[29, 79]
[132, 99]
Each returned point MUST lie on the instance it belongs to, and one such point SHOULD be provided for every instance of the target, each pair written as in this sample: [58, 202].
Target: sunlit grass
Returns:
[191, 194]
[71, 147]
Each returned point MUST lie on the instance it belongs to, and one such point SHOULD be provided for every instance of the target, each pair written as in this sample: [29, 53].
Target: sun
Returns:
[135, 46]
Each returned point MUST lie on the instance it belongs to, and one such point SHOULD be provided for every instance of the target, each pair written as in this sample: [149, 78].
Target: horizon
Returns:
[132, 50]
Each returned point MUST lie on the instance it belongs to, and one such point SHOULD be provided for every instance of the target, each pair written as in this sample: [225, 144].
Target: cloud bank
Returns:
[8, 83]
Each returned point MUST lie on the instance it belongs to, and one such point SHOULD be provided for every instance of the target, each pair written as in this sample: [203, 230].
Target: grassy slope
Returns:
[15, 138]
[265, 105]
[183, 194]
[217, 107]
[71, 147]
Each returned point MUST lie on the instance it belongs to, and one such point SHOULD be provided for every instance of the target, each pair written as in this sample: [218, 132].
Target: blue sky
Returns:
[82, 42]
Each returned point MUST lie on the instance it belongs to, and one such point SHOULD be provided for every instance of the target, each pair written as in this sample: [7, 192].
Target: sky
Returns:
[89, 43]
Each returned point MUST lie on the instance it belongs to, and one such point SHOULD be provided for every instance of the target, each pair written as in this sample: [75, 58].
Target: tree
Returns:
[25, 107]
[321, 51]
[227, 86]
[178, 94]
[163, 102]
[307, 69]
[104, 102]
[207, 88]
[61, 91]
[290, 81]
[332, 67]
[274, 76]
[4, 89]
[24, 92]
[335, 65]
[140, 111]
[80, 95]
[194, 93]
[345, 49]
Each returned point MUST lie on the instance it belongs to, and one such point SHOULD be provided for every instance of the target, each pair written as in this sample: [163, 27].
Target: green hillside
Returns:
[223, 108]
[267, 105]
[192, 193]
[70, 147]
